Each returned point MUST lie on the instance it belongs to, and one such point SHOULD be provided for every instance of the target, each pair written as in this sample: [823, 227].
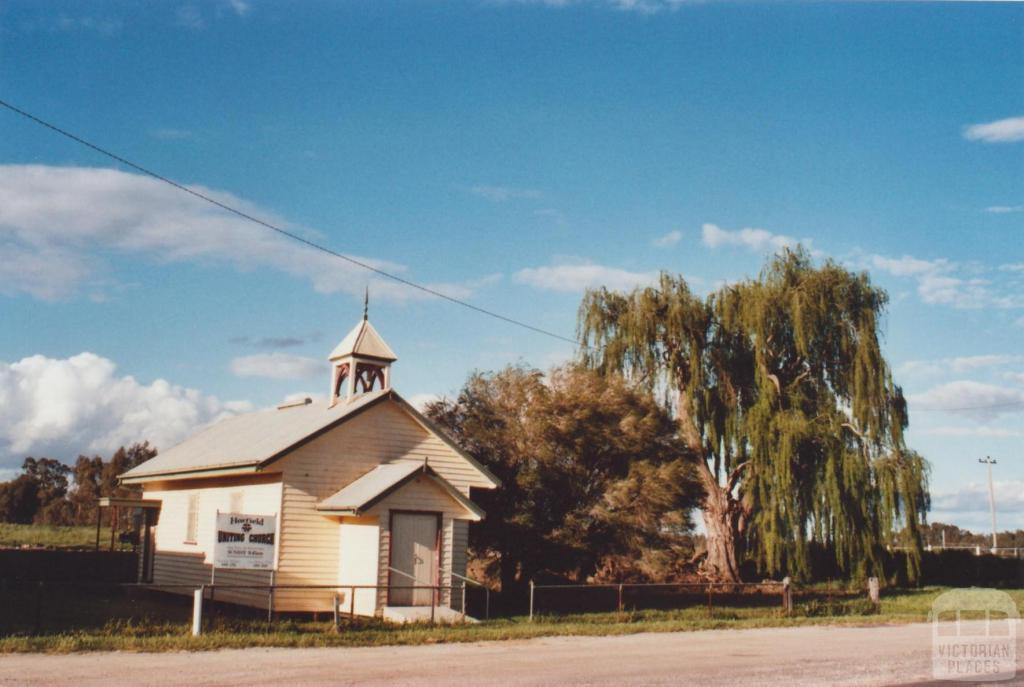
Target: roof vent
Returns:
[295, 404]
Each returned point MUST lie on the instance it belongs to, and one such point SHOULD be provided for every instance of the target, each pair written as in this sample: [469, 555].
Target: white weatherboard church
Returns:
[365, 490]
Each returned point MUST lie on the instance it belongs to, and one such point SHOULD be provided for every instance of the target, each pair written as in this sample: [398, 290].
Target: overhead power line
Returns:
[347, 258]
[285, 232]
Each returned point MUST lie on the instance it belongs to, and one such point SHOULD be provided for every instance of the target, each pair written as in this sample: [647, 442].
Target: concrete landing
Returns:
[421, 614]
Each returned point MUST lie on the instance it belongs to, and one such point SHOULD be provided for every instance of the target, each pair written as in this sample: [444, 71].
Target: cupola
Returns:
[360, 363]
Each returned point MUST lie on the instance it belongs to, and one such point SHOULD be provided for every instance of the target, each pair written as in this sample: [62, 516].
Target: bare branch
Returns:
[734, 476]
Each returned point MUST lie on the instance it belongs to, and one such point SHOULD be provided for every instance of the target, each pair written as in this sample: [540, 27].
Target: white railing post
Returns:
[531, 601]
[197, 611]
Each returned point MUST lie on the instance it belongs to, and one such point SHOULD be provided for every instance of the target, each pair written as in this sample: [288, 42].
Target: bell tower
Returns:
[361, 362]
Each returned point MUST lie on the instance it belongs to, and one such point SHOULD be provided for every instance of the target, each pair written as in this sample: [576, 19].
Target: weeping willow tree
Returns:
[787, 406]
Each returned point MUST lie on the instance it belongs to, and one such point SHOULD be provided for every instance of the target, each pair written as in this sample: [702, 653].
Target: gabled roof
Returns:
[363, 340]
[250, 442]
[385, 479]
[245, 442]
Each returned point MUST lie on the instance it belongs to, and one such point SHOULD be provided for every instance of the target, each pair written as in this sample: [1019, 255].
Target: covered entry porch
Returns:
[403, 531]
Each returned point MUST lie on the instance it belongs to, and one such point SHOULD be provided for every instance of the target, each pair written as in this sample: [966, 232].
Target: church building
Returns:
[365, 491]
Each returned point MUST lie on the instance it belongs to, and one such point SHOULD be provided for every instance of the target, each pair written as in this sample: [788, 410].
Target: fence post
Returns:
[620, 598]
[463, 601]
[336, 608]
[352, 605]
[433, 598]
[787, 596]
[531, 601]
[197, 610]
[710, 588]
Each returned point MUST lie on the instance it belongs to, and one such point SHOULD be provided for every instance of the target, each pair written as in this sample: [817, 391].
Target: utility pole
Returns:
[989, 462]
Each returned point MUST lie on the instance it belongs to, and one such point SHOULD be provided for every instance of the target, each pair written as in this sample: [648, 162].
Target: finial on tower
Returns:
[366, 303]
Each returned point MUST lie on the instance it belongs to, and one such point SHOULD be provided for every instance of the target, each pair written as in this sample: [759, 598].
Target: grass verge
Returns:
[147, 627]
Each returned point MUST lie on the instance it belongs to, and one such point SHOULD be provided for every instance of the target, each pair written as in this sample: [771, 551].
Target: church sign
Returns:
[245, 542]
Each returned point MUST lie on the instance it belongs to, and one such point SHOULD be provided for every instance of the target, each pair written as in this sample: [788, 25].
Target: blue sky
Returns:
[511, 153]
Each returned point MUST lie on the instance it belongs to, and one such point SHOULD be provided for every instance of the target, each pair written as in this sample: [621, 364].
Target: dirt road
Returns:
[789, 656]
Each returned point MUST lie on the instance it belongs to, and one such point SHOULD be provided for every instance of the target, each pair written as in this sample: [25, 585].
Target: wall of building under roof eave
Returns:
[314, 471]
[178, 562]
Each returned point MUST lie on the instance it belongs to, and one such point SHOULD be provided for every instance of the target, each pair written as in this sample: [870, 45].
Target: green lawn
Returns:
[148, 621]
[83, 536]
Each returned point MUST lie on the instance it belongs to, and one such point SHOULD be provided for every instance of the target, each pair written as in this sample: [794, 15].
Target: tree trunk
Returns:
[721, 512]
[720, 531]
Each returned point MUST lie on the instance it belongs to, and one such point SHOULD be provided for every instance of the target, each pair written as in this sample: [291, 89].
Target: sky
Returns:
[511, 154]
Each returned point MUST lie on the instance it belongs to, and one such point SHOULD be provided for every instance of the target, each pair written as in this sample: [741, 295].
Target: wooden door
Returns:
[414, 551]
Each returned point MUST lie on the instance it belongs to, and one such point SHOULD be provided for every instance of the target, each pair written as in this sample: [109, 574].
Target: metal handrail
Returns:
[487, 590]
[463, 577]
[411, 577]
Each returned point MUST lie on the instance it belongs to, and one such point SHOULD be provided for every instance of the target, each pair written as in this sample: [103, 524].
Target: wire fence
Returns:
[33, 607]
[565, 599]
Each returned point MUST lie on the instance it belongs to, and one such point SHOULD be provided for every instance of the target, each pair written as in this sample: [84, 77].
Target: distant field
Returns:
[83, 536]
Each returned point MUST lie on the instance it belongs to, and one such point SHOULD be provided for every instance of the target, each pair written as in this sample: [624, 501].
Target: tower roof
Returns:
[363, 341]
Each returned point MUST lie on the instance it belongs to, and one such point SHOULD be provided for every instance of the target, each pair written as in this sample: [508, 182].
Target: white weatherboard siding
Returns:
[359, 542]
[360, 458]
[309, 540]
[460, 551]
[311, 544]
[177, 561]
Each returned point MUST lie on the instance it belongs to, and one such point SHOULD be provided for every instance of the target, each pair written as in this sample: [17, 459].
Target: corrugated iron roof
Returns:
[384, 479]
[248, 440]
[365, 489]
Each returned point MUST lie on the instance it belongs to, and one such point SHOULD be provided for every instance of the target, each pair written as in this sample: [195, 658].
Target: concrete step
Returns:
[421, 614]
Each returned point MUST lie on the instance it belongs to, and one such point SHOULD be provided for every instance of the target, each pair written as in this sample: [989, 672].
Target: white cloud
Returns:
[963, 293]
[1015, 376]
[240, 7]
[958, 365]
[907, 266]
[976, 400]
[1000, 131]
[669, 239]
[941, 282]
[977, 431]
[189, 17]
[1004, 209]
[646, 7]
[104, 26]
[277, 366]
[502, 194]
[63, 407]
[575, 277]
[757, 240]
[57, 222]
[973, 497]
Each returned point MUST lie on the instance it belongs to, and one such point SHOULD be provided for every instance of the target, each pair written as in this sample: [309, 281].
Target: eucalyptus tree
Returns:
[787, 405]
